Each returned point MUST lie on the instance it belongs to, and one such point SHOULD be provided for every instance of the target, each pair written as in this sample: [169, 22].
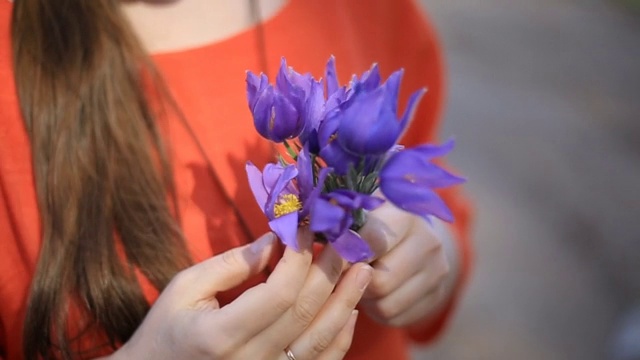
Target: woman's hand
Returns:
[296, 308]
[412, 277]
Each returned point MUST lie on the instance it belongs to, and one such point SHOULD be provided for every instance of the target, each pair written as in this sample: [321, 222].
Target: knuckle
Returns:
[284, 299]
[387, 310]
[435, 246]
[320, 341]
[443, 269]
[181, 279]
[335, 270]
[379, 285]
[229, 259]
[396, 322]
[343, 343]
[352, 298]
[218, 349]
[193, 341]
[305, 309]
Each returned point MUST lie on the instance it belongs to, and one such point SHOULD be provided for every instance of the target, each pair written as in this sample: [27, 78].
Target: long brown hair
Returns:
[101, 170]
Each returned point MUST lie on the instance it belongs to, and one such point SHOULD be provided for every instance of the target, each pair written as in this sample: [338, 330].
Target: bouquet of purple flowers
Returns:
[343, 146]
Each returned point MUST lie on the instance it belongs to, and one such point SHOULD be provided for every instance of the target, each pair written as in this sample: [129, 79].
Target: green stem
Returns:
[291, 151]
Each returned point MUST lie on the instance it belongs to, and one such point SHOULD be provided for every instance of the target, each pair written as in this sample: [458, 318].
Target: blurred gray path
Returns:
[545, 106]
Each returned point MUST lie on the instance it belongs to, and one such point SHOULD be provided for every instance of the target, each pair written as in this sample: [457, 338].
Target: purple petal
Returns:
[328, 129]
[275, 117]
[255, 85]
[305, 173]
[257, 185]
[368, 125]
[309, 199]
[354, 200]
[330, 149]
[334, 101]
[392, 88]
[285, 122]
[430, 151]
[293, 85]
[370, 80]
[410, 111]
[331, 76]
[286, 227]
[313, 111]
[271, 174]
[263, 110]
[327, 218]
[351, 247]
[289, 173]
[411, 167]
[419, 200]
[408, 177]
[339, 159]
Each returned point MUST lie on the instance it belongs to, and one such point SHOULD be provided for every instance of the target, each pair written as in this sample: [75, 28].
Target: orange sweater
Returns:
[208, 85]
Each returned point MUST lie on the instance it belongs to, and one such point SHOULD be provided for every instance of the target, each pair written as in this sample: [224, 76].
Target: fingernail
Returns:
[259, 245]
[305, 238]
[363, 278]
[351, 323]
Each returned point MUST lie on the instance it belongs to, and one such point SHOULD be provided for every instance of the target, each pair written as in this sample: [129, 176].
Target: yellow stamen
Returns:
[287, 204]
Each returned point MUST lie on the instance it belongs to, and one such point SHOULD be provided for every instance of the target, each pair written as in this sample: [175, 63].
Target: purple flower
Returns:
[408, 178]
[354, 130]
[332, 215]
[369, 123]
[313, 112]
[274, 116]
[296, 87]
[369, 81]
[363, 126]
[278, 198]
[284, 203]
[331, 151]
[310, 188]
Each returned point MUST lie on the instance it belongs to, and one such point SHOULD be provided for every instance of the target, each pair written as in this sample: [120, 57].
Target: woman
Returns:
[119, 170]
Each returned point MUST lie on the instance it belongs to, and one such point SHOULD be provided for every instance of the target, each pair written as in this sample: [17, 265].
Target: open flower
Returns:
[278, 198]
[408, 178]
[285, 202]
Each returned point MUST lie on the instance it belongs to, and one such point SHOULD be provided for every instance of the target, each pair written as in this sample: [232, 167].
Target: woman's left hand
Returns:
[412, 276]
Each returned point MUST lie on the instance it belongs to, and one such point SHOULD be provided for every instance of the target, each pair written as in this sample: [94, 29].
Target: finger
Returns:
[385, 227]
[412, 255]
[222, 272]
[263, 304]
[321, 280]
[334, 315]
[422, 286]
[419, 310]
[342, 343]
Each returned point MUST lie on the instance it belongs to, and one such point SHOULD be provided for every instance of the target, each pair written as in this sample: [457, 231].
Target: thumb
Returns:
[225, 271]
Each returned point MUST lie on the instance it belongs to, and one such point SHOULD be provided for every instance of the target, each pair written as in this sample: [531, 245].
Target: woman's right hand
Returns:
[296, 308]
